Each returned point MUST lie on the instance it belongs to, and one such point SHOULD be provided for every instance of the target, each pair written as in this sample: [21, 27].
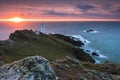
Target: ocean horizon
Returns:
[104, 37]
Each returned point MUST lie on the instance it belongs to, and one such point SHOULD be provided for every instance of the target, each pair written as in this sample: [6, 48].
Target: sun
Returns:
[17, 19]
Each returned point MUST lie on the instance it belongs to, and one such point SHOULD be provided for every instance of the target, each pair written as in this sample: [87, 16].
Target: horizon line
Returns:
[55, 20]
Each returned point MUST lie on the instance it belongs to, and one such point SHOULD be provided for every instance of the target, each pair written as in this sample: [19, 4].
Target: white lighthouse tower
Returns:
[42, 27]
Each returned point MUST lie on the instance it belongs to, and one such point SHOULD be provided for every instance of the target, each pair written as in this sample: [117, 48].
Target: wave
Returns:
[97, 61]
[88, 49]
[102, 56]
[79, 37]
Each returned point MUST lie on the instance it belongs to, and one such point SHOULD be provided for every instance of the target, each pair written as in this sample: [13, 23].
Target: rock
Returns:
[10, 41]
[66, 70]
[80, 54]
[30, 68]
[95, 54]
[88, 51]
[115, 77]
[110, 68]
[1, 63]
[1, 53]
[94, 75]
[69, 39]
[75, 61]
[2, 43]
[23, 35]
[90, 30]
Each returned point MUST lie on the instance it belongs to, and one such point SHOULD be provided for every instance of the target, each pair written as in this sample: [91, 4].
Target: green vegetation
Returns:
[26, 43]
[68, 61]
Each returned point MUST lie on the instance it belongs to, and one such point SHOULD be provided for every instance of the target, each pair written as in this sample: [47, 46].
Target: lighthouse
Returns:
[42, 27]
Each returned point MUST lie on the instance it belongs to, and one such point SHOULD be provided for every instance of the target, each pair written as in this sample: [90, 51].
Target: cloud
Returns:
[104, 10]
[59, 11]
[55, 13]
[85, 7]
[61, 8]
[117, 10]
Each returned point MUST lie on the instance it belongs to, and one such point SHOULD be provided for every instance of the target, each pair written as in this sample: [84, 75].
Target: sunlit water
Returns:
[106, 39]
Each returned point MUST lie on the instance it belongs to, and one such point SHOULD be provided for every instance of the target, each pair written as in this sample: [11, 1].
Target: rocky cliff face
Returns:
[69, 39]
[30, 68]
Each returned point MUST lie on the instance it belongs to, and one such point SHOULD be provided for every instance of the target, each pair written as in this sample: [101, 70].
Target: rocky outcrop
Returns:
[69, 39]
[23, 35]
[95, 54]
[80, 54]
[110, 68]
[30, 68]
[90, 31]
[94, 75]
[72, 69]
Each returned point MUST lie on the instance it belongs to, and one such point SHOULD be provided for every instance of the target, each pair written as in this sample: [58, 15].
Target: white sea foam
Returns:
[88, 49]
[79, 37]
[102, 56]
[95, 31]
[97, 61]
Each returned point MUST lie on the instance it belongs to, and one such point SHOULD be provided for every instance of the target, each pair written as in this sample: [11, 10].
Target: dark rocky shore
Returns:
[67, 60]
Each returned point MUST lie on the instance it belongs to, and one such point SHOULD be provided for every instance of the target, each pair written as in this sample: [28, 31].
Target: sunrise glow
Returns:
[17, 19]
[20, 19]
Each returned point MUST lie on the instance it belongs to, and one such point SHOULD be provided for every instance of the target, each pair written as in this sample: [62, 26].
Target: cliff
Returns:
[25, 43]
[66, 58]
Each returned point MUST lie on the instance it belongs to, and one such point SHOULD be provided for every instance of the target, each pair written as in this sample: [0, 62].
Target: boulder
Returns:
[95, 54]
[88, 51]
[30, 68]
[89, 30]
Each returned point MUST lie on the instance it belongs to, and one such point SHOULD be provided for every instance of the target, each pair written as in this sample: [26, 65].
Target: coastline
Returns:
[68, 52]
[85, 47]
[90, 50]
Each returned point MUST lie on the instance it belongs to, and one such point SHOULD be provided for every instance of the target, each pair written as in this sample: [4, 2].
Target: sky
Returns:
[61, 9]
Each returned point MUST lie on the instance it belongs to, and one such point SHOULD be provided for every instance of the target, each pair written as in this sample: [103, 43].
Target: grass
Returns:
[27, 43]
[43, 45]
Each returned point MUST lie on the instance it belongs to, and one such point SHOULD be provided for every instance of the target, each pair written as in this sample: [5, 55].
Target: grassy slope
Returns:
[46, 46]
[27, 43]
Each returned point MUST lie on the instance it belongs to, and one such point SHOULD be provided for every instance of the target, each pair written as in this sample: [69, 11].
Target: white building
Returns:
[42, 27]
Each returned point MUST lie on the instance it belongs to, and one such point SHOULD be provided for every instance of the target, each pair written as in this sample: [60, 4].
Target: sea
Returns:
[100, 37]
